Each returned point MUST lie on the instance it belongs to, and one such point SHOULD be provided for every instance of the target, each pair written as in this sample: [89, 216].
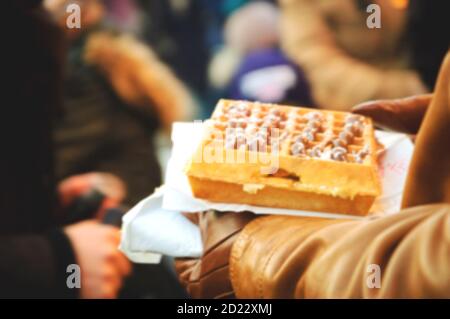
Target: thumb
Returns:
[404, 115]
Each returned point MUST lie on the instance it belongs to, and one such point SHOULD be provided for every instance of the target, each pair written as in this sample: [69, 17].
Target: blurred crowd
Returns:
[85, 105]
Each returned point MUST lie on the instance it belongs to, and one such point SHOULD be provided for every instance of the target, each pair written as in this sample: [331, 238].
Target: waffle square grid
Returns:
[293, 131]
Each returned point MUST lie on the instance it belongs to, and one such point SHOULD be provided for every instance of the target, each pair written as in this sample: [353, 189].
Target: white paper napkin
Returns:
[149, 231]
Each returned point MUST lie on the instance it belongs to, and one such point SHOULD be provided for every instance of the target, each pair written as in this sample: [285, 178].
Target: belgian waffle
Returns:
[286, 157]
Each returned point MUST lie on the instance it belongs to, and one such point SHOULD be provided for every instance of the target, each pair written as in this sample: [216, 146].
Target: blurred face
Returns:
[91, 12]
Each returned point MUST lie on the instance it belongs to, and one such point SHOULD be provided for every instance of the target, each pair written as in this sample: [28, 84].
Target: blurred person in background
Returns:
[117, 94]
[344, 60]
[263, 73]
[36, 242]
[208, 42]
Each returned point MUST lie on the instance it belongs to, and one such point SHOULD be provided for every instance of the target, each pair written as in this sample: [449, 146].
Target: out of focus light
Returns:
[400, 4]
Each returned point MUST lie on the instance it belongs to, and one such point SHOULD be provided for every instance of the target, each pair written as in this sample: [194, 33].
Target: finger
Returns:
[110, 282]
[113, 284]
[420, 102]
[72, 187]
[122, 263]
[110, 185]
[403, 115]
[382, 113]
[374, 108]
[109, 290]
[113, 234]
[105, 284]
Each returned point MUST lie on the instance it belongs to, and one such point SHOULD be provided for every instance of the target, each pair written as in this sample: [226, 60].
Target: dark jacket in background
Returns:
[33, 252]
[99, 132]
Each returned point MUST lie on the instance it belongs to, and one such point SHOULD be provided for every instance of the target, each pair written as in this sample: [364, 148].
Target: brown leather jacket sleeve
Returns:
[291, 257]
[429, 174]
